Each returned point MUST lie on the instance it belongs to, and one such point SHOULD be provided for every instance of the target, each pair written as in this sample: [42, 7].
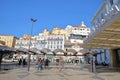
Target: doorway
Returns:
[118, 57]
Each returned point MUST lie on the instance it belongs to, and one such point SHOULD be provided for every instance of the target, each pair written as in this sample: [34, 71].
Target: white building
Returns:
[77, 35]
[55, 42]
[24, 43]
[81, 30]
[40, 42]
[52, 42]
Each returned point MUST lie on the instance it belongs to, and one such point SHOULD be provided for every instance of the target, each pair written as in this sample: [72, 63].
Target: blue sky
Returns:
[15, 14]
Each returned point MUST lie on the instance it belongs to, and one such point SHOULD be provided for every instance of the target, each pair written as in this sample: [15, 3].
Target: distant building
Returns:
[51, 41]
[77, 34]
[2, 42]
[46, 32]
[69, 38]
[59, 31]
[40, 41]
[55, 42]
[8, 40]
[24, 42]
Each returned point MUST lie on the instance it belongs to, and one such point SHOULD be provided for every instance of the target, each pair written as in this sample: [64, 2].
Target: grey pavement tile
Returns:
[22, 75]
[22, 72]
[67, 74]
[82, 74]
[4, 72]
[96, 77]
[42, 75]
[54, 74]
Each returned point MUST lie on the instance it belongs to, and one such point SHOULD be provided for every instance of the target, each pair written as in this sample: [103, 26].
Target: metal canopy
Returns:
[107, 36]
[58, 50]
[24, 50]
[35, 50]
[73, 51]
[45, 50]
[5, 48]
[84, 51]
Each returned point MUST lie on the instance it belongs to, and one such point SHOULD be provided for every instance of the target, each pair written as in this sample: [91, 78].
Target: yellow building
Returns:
[46, 32]
[8, 40]
[56, 31]
[2, 42]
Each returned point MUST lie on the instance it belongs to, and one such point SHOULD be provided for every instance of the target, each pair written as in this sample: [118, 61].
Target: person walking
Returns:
[20, 61]
[47, 63]
[62, 64]
[40, 64]
[24, 62]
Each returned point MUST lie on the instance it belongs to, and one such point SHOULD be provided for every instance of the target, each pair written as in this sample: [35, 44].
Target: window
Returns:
[111, 2]
[58, 38]
[48, 42]
[102, 16]
[61, 47]
[98, 20]
[51, 42]
[51, 46]
[57, 47]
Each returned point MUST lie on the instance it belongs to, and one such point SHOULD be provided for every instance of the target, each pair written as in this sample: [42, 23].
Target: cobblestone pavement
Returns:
[68, 73]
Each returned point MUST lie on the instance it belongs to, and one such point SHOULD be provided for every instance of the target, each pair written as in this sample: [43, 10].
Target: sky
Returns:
[15, 15]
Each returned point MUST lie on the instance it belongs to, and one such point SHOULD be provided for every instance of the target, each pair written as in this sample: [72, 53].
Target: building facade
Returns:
[41, 41]
[77, 34]
[24, 42]
[8, 40]
[57, 39]
[55, 42]
[105, 32]
[2, 42]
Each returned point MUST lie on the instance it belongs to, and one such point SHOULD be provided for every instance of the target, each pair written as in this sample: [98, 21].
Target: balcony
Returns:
[105, 32]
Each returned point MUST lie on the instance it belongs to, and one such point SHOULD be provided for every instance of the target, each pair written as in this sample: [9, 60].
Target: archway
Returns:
[71, 55]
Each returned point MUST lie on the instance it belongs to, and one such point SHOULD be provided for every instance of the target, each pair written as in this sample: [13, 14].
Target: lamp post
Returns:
[29, 55]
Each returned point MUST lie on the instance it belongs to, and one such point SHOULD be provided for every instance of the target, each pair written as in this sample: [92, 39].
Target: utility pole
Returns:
[29, 55]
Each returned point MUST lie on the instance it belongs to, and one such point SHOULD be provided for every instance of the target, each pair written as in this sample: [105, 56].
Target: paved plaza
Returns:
[70, 72]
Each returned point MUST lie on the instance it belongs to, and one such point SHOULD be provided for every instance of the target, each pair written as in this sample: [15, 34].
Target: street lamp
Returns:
[29, 55]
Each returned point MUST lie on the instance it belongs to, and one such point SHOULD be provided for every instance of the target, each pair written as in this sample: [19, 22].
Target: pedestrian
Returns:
[24, 62]
[43, 63]
[40, 63]
[47, 63]
[20, 61]
[62, 64]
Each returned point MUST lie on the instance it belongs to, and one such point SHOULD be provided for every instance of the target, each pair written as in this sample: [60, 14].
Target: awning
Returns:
[107, 36]
[21, 49]
[45, 50]
[35, 50]
[73, 51]
[58, 51]
[5, 48]
[84, 51]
